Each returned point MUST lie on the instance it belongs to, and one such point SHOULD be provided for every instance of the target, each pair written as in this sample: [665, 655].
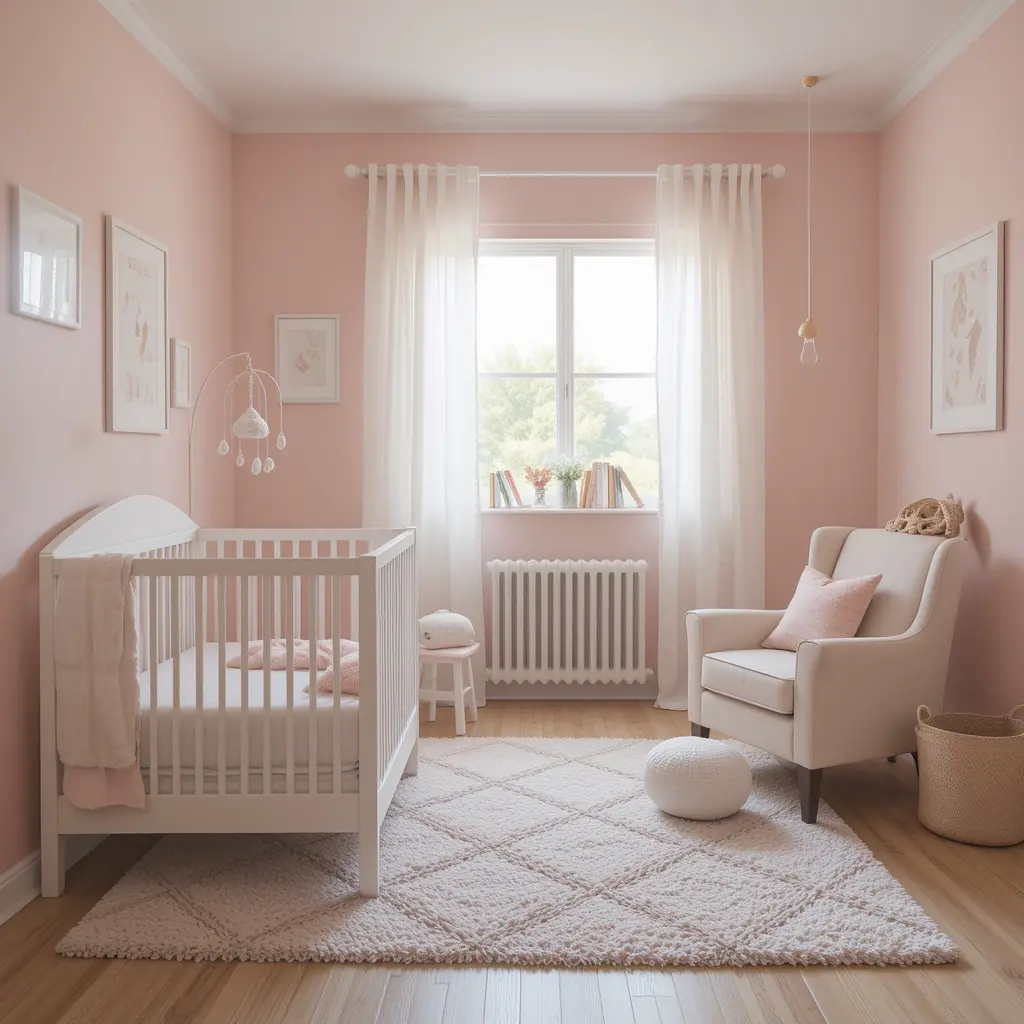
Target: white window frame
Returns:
[565, 376]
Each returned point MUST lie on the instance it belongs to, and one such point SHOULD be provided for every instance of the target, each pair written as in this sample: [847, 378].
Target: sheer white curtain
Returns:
[710, 402]
[419, 394]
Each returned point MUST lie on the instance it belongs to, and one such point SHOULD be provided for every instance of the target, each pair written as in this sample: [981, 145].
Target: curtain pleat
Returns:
[710, 386]
[419, 395]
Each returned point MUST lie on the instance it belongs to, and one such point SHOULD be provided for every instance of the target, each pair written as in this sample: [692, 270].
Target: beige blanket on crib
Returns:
[97, 684]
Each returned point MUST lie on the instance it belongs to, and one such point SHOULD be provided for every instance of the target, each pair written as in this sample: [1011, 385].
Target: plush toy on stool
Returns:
[447, 638]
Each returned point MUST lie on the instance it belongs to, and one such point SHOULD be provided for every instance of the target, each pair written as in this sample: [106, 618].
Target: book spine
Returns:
[506, 498]
[632, 490]
[585, 489]
[602, 485]
[610, 471]
[620, 501]
[491, 490]
[515, 490]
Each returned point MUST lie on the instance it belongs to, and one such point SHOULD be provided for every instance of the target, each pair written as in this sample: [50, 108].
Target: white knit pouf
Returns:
[697, 778]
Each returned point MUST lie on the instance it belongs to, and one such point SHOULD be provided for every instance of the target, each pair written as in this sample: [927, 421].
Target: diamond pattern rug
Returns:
[532, 852]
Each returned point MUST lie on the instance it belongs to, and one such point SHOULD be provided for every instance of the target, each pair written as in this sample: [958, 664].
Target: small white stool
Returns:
[456, 657]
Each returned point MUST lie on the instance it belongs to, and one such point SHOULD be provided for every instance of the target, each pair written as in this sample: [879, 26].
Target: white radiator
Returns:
[567, 622]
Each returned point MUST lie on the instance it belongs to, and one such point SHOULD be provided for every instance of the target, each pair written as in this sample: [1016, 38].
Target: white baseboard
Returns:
[20, 884]
[573, 691]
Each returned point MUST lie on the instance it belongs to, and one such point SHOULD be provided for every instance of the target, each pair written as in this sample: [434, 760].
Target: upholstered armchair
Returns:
[834, 701]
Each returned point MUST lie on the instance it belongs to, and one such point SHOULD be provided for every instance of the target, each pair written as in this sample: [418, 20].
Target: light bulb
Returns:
[268, 465]
[809, 353]
[222, 448]
[240, 460]
[281, 442]
[256, 466]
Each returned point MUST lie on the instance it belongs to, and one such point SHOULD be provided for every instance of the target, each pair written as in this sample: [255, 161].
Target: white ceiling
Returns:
[566, 65]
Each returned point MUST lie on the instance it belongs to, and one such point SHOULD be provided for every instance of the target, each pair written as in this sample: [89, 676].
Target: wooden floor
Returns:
[976, 895]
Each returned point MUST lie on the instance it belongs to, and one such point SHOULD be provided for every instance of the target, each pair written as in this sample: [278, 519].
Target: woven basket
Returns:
[972, 776]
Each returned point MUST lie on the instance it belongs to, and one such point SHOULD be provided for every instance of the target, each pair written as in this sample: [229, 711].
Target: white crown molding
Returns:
[136, 23]
[701, 118]
[970, 26]
[749, 118]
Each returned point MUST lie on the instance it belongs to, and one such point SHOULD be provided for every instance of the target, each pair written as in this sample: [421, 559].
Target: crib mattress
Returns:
[278, 715]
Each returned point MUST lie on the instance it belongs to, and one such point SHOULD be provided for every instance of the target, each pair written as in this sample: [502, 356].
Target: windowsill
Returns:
[546, 510]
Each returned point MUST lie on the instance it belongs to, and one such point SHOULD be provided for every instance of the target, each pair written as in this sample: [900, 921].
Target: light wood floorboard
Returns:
[975, 894]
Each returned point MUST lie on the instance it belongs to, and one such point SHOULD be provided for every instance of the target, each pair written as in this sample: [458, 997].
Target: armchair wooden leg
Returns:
[700, 730]
[810, 790]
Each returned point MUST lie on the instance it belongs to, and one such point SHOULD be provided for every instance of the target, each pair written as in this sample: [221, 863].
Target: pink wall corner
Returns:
[300, 243]
[91, 121]
[950, 163]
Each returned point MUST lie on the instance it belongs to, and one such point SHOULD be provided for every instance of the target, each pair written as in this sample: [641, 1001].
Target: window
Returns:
[566, 335]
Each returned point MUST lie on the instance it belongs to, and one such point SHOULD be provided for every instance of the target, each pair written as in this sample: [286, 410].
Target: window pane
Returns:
[615, 308]
[617, 422]
[516, 313]
[516, 428]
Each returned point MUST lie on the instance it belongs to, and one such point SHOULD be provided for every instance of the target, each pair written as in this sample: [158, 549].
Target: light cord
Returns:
[808, 204]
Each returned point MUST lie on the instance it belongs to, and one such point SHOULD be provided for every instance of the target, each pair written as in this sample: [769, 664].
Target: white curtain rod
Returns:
[352, 171]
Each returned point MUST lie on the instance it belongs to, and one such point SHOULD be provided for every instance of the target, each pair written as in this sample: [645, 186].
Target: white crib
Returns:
[238, 749]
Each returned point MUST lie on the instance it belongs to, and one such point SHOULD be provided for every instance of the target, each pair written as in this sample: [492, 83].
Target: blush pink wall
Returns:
[950, 163]
[90, 121]
[299, 247]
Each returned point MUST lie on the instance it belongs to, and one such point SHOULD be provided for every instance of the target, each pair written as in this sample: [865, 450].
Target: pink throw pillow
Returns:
[823, 608]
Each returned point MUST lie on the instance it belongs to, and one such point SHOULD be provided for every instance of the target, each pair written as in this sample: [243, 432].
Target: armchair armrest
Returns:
[857, 698]
[721, 629]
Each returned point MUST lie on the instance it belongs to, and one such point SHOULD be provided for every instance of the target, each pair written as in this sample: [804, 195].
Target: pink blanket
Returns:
[348, 667]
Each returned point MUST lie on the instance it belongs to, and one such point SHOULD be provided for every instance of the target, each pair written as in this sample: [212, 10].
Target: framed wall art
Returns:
[307, 357]
[137, 350]
[47, 261]
[967, 334]
[181, 374]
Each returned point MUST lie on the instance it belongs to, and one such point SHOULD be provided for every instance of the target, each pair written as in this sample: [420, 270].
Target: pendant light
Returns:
[808, 331]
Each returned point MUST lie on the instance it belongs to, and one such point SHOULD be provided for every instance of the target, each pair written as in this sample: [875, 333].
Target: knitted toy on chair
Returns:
[933, 517]
[443, 629]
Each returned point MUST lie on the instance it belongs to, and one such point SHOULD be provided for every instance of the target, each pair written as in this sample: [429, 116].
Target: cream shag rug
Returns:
[529, 851]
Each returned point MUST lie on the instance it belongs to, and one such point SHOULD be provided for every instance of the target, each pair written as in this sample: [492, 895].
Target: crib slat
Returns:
[176, 682]
[277, 592]
[218, 596]
[353, 597]
[200, 649]
[313, 764]
[239, 553]
[321, 589]
[289, 638]
[267, 760]
[336, 663]
[296, 596]
[154, 703]
[243, 623]
[254, 618]
[222, 671]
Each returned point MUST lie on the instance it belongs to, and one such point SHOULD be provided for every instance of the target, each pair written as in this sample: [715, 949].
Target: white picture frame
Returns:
[967, 334]
[181, 374]
[306, 359]
[137, 377]
[46, 261]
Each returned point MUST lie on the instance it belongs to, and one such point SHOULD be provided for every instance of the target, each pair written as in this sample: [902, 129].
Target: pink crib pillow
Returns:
[823, 608]
[300, 655]
[348, 676]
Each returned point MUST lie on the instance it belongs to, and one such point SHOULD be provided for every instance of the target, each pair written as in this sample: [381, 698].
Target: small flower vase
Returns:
[570, 499]
[538, 496]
